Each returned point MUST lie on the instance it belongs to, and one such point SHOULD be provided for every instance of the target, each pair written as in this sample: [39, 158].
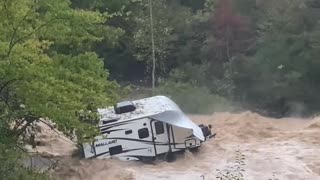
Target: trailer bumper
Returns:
[207, 132]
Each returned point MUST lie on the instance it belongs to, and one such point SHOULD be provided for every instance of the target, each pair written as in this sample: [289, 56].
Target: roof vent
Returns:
[124, 107]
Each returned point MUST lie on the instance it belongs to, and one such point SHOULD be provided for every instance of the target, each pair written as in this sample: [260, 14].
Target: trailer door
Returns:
[160, 137]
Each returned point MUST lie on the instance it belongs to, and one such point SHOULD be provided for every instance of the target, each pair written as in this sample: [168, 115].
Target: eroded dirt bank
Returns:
[283, 148]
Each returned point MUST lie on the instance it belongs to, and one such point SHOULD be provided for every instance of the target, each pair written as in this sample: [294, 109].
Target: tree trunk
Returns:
[153, 49]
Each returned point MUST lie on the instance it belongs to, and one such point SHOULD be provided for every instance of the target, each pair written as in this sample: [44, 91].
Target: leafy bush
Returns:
[11, 167]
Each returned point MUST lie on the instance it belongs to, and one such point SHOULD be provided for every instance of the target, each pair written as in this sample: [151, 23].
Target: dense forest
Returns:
[62, 59]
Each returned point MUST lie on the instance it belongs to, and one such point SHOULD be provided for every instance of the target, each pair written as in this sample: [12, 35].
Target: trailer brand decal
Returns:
[106, 143]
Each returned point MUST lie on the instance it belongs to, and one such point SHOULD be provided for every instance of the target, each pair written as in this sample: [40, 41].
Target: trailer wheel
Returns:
[194, 150]
[148, 160]
[170, 156]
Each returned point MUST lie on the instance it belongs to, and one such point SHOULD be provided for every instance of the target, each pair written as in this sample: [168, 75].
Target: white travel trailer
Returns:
[145, 129]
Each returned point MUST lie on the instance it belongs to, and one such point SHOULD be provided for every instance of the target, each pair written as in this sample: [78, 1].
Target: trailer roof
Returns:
[144, 108]
[160, 108]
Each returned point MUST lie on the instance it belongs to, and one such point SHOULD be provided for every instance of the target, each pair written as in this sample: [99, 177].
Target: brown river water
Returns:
[284, 149]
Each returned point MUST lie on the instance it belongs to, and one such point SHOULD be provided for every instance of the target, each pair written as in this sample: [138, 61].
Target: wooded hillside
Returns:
[62, 59]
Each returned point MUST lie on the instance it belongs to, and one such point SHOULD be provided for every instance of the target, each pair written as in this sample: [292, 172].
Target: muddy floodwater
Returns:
[284, 149]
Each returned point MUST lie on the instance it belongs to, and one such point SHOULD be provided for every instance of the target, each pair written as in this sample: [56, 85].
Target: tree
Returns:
[161, 33]
[118, 52]
[153, 48]
[231, 32]
[281, 77]
[169, 20]
[47, 69]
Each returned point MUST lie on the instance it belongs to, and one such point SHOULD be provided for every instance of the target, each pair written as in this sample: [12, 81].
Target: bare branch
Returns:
[30, 119]
[49, 125]
[17, 125]
[22, 149]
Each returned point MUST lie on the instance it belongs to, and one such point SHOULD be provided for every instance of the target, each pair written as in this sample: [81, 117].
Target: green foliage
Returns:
[11, 167]
[209, 53]
[171, 21]
[47, 55]
[283, 71]
[195, 99]
[262, 55]
[117, 49]
[48, 70]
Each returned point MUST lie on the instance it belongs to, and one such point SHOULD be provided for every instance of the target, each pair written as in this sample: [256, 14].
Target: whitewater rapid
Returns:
[286, 149]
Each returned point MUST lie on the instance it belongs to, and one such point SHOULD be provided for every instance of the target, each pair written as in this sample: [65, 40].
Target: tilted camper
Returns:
[144, 129]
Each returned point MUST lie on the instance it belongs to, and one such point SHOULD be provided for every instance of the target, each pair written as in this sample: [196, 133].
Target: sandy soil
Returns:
[287, 149]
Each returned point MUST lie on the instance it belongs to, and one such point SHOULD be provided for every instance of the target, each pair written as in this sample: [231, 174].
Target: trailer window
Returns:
[159, 127]
[143, 133]
[128, 132]
[115, 150]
